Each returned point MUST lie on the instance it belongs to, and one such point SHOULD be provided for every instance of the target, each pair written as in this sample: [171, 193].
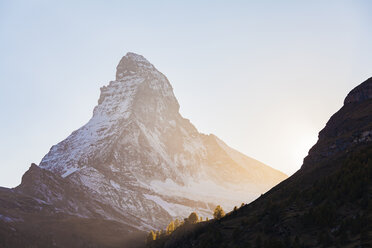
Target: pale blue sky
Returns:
[264, 76]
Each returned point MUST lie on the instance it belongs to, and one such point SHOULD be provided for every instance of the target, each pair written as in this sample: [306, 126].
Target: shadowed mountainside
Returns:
[327, 203]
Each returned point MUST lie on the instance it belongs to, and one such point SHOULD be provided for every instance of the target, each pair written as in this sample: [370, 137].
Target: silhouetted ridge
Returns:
[348, 127]
[360, 93]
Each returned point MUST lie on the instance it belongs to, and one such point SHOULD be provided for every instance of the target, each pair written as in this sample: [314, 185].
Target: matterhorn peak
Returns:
[138, 86]
[132, 63]
[137, 155]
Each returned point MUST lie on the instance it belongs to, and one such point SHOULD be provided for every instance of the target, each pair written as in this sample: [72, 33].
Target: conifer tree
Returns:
[170, 228]
[218, 212]
[159, 234]
[177, 223]
[151, 237]
[193, 218]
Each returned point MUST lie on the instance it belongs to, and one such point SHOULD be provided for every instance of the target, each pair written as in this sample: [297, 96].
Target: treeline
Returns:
[186, 224]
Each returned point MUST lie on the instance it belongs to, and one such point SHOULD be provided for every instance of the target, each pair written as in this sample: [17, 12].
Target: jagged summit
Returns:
[132, 63]
[360, 93]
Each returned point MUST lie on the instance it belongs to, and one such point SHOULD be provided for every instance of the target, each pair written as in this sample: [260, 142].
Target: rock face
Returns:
[350, 126]
[361, 93]
[139, 162]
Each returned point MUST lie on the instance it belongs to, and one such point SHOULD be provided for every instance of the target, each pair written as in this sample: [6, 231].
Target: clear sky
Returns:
[264, 76]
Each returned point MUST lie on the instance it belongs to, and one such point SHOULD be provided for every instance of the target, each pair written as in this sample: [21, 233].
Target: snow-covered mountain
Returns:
[138, 161]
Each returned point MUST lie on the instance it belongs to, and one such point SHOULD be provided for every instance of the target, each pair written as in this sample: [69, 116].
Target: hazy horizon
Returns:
[263, 77]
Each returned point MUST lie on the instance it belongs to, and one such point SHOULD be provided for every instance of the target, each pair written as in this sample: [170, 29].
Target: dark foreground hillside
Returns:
[327, 203]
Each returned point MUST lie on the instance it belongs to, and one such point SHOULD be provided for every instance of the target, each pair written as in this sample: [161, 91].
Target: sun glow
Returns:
[302, 147]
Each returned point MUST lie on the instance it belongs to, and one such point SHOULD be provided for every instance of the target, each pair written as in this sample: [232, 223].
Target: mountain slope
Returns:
[327, 203]
[27, 219]
[137, 162]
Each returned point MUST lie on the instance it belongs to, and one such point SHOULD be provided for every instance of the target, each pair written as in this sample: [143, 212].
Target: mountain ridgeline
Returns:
[136, 165]
[327, 203]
